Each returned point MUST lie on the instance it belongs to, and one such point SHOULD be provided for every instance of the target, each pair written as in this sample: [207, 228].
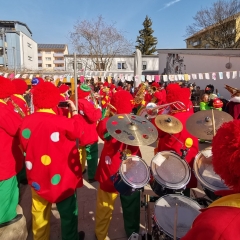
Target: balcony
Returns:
[58, 61]
[39, 61]
[58, 54]
[59, 68]
[39, 54]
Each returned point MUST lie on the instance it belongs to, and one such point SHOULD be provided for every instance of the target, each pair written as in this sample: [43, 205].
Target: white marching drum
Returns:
[169, 173]
[133, 175]
[165, 213]
[204, 172]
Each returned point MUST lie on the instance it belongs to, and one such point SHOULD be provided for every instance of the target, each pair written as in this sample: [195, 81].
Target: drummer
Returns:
[175, 142]
[221, 219]
[109, 164]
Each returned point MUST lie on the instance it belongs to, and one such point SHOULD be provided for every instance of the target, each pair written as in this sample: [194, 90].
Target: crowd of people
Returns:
[46, 142]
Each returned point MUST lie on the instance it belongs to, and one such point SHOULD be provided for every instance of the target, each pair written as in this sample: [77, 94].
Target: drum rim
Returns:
[180, 185]
[172, 195]
[204, 183]
[131, 184]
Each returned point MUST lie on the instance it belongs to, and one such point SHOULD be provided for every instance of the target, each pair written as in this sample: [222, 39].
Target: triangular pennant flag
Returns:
[228, 75]
[30, 76]
[143, 78]
[171, 78]
[17, 75]
[81, 78]
[165, 78]
[176, 77]
[200, 76]
[207, 76]
[214, 76]
[157, 78]
[186, 77]
[234, 76]
[6, 75]
[220, 75]
[11, 76]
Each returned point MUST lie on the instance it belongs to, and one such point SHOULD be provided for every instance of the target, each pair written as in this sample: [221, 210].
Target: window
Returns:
[58, 58]
[1, 51]
[59, 65]
[59, 52]
[48, 52]
[207, 45]
[48, 65]
[48, 59]
[79, 66]
[30, 58]
[121, 65]
[29, 45]
[100, 66]
[39, 58]
[39, 52]
[39, 65]
[144, 65]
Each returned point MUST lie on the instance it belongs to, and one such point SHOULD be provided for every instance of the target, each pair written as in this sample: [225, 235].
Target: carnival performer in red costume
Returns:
[64, 92]
[52, 162]
[159, 95]
[109, 164]
[175, 142]
[90, 115]
[11, 158]
[18, 99]
[220, 220]
[233, 106]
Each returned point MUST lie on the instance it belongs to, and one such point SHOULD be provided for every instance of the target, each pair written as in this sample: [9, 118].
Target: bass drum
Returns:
[203, 170]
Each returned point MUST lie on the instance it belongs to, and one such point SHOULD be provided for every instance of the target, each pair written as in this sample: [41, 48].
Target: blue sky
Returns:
[51, 20]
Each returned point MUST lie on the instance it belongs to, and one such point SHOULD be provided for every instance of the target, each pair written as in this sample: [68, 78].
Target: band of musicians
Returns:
[50, 139]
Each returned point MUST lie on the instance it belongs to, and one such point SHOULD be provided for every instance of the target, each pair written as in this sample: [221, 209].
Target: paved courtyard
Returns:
[87, 204]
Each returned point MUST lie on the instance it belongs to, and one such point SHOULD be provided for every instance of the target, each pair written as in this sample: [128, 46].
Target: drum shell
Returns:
[121, 186]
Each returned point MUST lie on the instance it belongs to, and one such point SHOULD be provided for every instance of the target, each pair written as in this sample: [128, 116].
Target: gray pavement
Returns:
[87, 205]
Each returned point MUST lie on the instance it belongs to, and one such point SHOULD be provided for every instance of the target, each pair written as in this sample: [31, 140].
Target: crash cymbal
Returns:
[200, 124]
[132, 130]
[168, 124]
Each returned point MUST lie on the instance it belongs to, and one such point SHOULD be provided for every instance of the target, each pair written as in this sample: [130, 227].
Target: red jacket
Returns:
[169, 142]
[11, 157]
[52, 158]
[21, 102]
[220, 221]
[110, 159]
[89, 115]
[160, 96]
[233, 107]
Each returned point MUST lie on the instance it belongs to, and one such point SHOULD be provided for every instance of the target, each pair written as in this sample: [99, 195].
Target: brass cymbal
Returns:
[168, 124]
[200, 124]
[132, 130]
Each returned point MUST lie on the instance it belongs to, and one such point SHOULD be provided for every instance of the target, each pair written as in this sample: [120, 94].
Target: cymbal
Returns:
[200, 124]
[168, 124]
[132, 130]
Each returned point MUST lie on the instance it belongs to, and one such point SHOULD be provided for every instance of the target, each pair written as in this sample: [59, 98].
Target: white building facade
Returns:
[122, 64]
[222, 63]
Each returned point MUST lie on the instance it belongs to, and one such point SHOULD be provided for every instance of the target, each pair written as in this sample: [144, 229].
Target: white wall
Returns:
[208, 64]
[29, 53]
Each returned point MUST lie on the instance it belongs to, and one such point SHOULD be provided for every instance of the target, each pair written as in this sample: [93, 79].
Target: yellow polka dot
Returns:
[46, 160]
[188, 142]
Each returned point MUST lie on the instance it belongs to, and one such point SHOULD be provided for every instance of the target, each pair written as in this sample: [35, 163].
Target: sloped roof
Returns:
[14, 22]
[52, 46]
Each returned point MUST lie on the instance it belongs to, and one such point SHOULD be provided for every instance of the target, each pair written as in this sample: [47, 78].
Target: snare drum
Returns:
[169, 173]
[133, 175]
[164, 216]
[203, 170]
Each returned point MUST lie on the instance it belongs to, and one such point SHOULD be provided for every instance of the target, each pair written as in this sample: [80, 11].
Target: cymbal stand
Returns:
[123, 153]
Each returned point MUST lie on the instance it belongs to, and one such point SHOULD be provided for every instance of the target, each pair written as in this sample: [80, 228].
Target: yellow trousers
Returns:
[105, 206]
[41, 212]
[83, 156]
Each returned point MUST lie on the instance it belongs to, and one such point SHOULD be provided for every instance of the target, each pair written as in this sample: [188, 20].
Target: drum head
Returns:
[135, 172]
[170, 170]
[165, 209]
[204, 172]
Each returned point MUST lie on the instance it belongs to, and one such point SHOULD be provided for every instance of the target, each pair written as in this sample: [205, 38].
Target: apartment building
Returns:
[228, 30]
[51, 56]
[17, 48]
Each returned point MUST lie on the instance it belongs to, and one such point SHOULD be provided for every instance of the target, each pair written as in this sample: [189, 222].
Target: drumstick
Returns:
[213, 122]
[175, 223]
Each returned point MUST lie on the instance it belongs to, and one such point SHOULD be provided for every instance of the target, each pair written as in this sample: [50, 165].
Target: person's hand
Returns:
[72, 107]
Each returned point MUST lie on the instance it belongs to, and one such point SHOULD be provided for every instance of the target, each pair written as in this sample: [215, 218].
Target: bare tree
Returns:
[99, 42]
[218, 24]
